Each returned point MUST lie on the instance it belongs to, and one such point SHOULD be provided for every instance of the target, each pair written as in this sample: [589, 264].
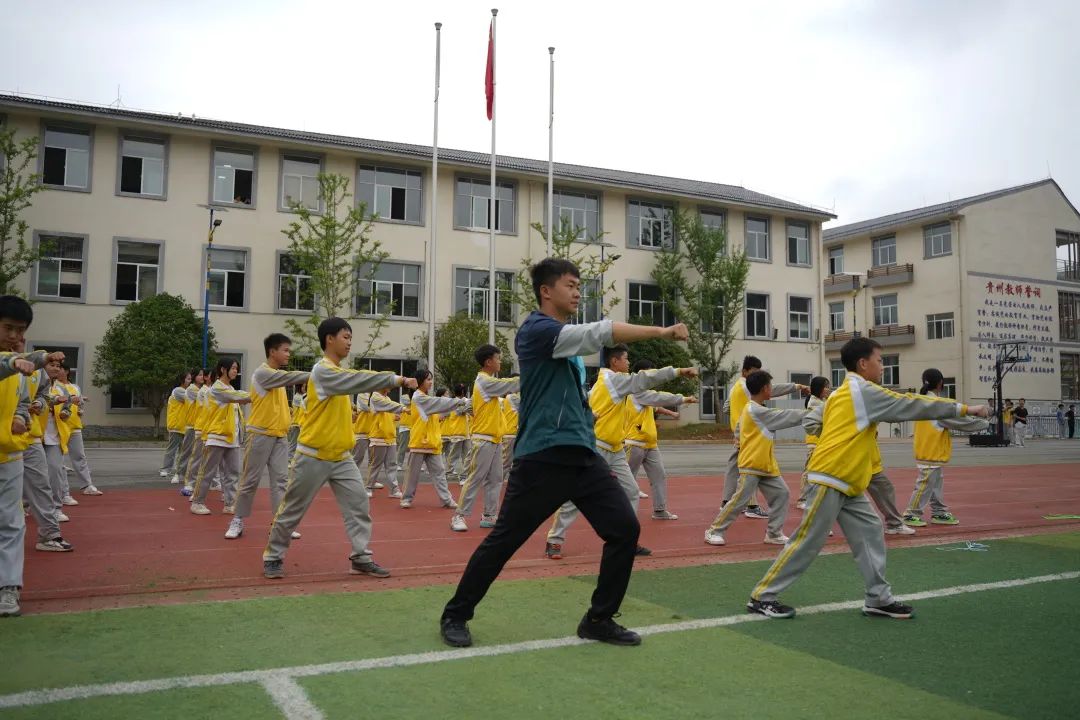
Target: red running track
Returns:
[136, 547]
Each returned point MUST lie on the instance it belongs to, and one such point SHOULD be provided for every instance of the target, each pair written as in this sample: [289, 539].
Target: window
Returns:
[837, 372]
[798, 244]
[1069, 316]
[650, 224]
[142, 167]
[579, 210]
[798, 318]
[646, 301]
[394, 194]
[937, 240]
[228, 275]
[393, 289]
[757, 316]
[836, 317]
[757, 238]
[801, 378]
[121, 398]
[939, 326]
[883, 251]
[471, 201]
[136, 270]
[234, 177]
[836, 260]
[708, 382]
[238, 383]
[471, 291]
[62, 268]
[300, 182]
[891, 376]
[406, 368]
[295, 291]
[589, 308]
[1070, 376]
[715, 323]
[72, 355]
[885, 310]
[713, 219]
[65, 160]
[949, 388]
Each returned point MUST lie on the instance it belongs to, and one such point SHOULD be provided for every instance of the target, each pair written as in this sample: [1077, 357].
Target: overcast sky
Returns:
[864, 108]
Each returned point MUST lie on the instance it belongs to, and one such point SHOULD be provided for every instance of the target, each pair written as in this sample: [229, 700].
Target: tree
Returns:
[16, 194]
[703, 281]
[662, 352]
[147, 346]
[456, 341]
[587, 252]
[335, 249]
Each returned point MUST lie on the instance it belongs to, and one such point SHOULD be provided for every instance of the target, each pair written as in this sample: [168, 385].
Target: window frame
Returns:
[829, 260]
[34, 271]
[70, 127]
[235, 148]
[834, 379]
[666, 313]
[420, 172]
[875, 245]
[842, 314]
[123, 134]
[809, 318]
[582, 316]
[515, 199]
[928, 240]
[247, 280]
[277, 286]
[33, 345]
[788, 224]
[768, 238]
[886, 367]
[947, 383]
[454, 291]
[284, 154]
[633, 240]
[768, 315]
[420, 292]
[707, 382]
[581, 192]
[792, 379]
[895, 305]
[241, 357]
[110, 409]
[938, 319]
[114, 269]
[365, 363]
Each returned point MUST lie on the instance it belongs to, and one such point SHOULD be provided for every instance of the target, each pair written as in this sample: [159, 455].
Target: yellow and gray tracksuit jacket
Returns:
[757, 437]
[510, 414]
[364, 416]
[641, 426]
[488, 421]
[176, 411]
[608, 402]
[738, 396]
[15, 400]
[426, 435]
[269, 401]
[223, 416]
[384, 412]
[933, 443]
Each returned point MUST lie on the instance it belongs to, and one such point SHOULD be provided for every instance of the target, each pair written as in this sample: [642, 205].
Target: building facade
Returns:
[941, 285]
[125, 215]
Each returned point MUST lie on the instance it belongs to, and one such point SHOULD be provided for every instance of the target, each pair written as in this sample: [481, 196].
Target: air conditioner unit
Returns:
[817, 334]
[775, 333]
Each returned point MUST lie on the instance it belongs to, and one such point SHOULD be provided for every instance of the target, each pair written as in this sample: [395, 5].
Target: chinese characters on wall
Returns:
[1010, 310]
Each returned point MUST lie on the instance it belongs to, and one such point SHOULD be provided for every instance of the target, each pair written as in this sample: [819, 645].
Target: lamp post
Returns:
[857, 285]
[215, 223]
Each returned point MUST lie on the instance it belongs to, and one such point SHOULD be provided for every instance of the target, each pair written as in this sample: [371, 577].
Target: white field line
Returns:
[291, 699]
[272, 680]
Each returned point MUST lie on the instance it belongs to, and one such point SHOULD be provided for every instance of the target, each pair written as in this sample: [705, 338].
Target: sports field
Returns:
[995, 635]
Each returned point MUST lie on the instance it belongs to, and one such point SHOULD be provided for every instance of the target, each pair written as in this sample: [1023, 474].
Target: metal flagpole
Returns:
[431, 273]
[492, 209]
[551, 153]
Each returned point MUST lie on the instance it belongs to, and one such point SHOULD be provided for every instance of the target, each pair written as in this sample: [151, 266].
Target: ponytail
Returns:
[932, 379]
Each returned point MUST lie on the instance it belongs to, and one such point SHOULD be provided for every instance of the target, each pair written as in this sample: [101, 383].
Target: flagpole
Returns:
[431, 273]
[551, 153]
[491, 210]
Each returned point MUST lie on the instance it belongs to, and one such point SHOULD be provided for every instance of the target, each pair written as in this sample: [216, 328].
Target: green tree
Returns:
[588, 253]
[662, 353]
[456, 341]
[17, 189]
[336, 250]
[703, 281]
[147, 346]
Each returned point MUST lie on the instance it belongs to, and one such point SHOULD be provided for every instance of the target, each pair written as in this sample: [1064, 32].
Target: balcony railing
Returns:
[836, 340]
[839, 283]
[1069, 271]
[893, 334]
[890, 275]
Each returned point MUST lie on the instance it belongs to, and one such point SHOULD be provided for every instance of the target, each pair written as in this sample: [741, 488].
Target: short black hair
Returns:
[484, 353]
[857, 349]
[613, 352]
[331, 326]
[275, 340]
[757, 380]
[751, 362]
[459, 390]
[224, 364]
[183, 376]
[421, 376]
[643, 364]
[13, 307]
[818, 385]
[548, 271]
[440, 392]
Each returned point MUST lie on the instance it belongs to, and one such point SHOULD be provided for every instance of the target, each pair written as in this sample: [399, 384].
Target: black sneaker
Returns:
[770, 608]
[273, 569]
[455, 633]
[642, 551]
[368, 568]
[607, 631]
[895, 609]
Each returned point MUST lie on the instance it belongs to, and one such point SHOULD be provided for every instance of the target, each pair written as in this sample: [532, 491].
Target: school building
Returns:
[124, 212]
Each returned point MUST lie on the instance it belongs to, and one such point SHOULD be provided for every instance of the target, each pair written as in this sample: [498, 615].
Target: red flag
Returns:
[489, 76]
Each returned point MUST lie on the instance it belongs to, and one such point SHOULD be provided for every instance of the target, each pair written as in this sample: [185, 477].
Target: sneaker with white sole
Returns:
[199, 509]
[895, 609]
[770, 608]
[229, 510]
[369, 493]
[450, 504]
[175, 480]
[57, 544]
[900, 530]
[377, 486]
[664, 515]
[296, 535]
[273, 569]
[780, 539]
[91, 490]
[396, 494]
[68, 500]
[487, 521]
[642, 494]
[61, 517]
[9, 601]
[714, 537]
[406, 503]
[457, 523]
[755, 513]
[236, 528]
[163, 473]
[801, 505]
[370, 568]
[186, 491]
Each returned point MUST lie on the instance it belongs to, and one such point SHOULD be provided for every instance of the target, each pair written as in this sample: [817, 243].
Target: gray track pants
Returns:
[436, 470]
[307, 475]
[860, 525]
[187, 446]
[359, 456]
[402, 445]
[484, 471]
[381, 467]
[508, 444]
[191, 472]
[293, 435]
[731, 478]
[214, 457]
[457, 454]
[620, 470]
[12, 523]
[39, 492]
[883, 493]
[54, 459]
[649, 458]
[262, 451]
[171, 450]
[77, 453]
[928, 489]
[776, 493]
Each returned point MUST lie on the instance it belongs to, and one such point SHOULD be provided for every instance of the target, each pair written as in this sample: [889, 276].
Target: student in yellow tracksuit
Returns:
[757, 462]
[510, 405]
[933, 450]
[224, 427]
[425, 441]
[296, 419]
[405, 421]
[200, 416]
[839, 473]
[382, 440]
[175, 416]
[819, 393]
[191, 437]
[455, 439]
[75, 448]
[362, 417]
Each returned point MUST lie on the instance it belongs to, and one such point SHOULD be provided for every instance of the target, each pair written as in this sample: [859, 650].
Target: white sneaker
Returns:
[199, 509]
[295, 535]
[369, 493]
[68, 500]
[664, 515]
[229, 510]
[450, 504]
[406, 503]
[395, 494]
[714, 537]
[175, 480]
[801, 505]
[780, 539]
[457, 523]
[91, 490]
[61, 517]
[642, 494]
[461, 482]
[236, 529]
[377, 486]
[163, 473]
[215, 485]
[9, 601]
[900, 530]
